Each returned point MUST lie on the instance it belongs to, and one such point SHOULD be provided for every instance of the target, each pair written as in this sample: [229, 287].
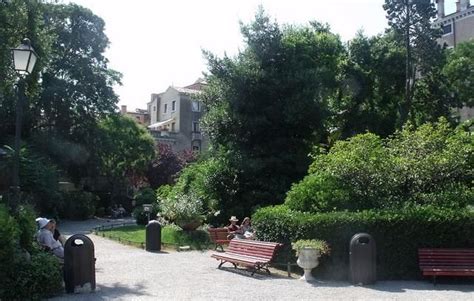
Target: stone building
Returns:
[175, 118]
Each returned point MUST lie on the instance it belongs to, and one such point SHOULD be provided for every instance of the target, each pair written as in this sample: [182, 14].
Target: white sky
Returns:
[155, 44]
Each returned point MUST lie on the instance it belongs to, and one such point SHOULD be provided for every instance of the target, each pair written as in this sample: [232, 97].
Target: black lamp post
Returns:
[24, 59]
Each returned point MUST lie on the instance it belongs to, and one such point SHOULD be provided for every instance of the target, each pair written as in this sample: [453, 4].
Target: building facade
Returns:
[175, 117]
[457, 27]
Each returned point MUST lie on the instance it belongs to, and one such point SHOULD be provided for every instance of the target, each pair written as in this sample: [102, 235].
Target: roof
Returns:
[186, 90]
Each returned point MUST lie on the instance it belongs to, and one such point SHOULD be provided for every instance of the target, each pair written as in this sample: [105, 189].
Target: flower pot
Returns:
[308, 260]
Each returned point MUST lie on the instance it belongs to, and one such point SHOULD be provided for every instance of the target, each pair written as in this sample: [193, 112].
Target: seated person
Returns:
[56, 234]
[46, 239]
[233, 228]
[246, 230]
[121, 211]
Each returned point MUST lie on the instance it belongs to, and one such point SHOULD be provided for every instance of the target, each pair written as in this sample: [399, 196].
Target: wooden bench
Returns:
[219, 236]
[446, 262]
[248, 253]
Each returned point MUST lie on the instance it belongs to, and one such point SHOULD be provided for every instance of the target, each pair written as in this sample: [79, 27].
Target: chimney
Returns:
[458, 6]
[464, 5]
[440, 8]
[123, 109]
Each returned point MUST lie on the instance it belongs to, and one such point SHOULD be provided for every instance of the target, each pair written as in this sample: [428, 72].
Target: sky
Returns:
[156, 44]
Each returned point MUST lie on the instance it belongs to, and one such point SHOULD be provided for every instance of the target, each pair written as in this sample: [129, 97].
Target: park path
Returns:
[128, 273]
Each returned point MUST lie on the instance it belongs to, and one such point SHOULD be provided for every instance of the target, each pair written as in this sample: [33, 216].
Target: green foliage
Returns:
[317, 244]
[36, 279]
[182, 208]
[141, 216]
[459, 71]
[265, 106]
[77, 205]
[398, 235]
[9, 235]
[124, 147]
[145, 196]
[25, 218]
[429, 165]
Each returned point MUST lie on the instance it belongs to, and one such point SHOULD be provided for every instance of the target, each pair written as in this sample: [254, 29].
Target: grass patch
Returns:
[170, 235]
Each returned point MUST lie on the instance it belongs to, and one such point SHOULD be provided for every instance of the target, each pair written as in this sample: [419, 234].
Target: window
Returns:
[195, 126]
[166, 108]
[447, 29]
[154, 108]
[195, 148]
[173, 105]
[196, 106]
[173, 126]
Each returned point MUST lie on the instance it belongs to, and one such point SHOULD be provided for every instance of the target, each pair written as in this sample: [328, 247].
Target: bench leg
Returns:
[222, 262]
[434, 280]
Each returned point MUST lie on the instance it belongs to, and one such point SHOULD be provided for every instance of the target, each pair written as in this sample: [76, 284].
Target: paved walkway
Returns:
[128, 273]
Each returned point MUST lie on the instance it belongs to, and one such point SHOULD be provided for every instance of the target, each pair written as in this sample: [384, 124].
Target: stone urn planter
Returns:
[309, 252]
[308, 259]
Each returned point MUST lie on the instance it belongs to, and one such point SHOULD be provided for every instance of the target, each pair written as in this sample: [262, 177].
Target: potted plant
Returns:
[308, 252]
[185, 210]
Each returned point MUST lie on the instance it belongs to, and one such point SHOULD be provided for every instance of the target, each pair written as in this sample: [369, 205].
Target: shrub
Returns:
[398, 235]
[141, 215]
[145, 196]
[182, 208]
[9, 236]
[430, 165]
[33, 280]
[77, 205]
[25, 218]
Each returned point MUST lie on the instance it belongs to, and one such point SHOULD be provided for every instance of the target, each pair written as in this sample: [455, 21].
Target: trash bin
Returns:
[79, 263]
[153, 236]
[362, 257]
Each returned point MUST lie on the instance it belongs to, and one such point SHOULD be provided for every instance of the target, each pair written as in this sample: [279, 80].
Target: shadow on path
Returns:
[104, 292]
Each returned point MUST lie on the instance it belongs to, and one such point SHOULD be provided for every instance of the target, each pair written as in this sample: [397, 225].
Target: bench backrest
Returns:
[218, 234]
[261, 249]
[446, 257]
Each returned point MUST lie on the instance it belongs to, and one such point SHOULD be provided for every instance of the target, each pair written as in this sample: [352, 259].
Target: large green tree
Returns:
[411, 22]
[267, 106]
[459, 71]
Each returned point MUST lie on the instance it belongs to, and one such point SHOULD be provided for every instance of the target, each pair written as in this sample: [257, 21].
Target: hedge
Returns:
[398, 235]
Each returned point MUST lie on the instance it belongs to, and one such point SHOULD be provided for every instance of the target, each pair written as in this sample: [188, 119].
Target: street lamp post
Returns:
[24, 59]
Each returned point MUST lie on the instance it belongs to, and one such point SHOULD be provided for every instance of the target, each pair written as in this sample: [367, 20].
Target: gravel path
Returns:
[128, 273]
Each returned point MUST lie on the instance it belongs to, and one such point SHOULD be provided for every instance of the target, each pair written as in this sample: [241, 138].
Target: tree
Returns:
[166, 166]
[411, 22]
[267, 105]
[459, 71]
[124, 149]
[370, 87]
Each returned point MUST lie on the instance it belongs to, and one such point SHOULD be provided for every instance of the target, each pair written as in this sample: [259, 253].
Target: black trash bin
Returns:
[153, 236]
[362, 257]
[79, 263]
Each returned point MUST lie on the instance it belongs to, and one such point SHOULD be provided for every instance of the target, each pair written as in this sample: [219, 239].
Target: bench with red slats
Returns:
[219, 236]
[249, 253]
[446, 262]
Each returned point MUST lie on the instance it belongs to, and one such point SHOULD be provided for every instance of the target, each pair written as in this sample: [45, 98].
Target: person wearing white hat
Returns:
[45, 237]
[233, 228]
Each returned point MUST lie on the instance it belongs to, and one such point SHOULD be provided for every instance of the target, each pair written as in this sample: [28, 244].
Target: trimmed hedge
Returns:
[398, 235]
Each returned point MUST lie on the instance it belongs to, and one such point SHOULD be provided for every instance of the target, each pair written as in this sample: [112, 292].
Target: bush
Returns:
[9, 236]
[398, 235]
[430, 165]
[141, 215]
[77, 205]
[145, 196]
[25, 218]
[182, 208]
[33, 280]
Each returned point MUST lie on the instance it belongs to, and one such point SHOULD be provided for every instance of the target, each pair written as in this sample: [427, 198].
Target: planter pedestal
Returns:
[308, 260]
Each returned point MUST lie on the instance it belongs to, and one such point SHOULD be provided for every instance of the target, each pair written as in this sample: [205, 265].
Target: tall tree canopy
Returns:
[267, 105]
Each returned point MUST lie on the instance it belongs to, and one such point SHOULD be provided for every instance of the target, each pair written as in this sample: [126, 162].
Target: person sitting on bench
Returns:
[233, 228]
[46, 239]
